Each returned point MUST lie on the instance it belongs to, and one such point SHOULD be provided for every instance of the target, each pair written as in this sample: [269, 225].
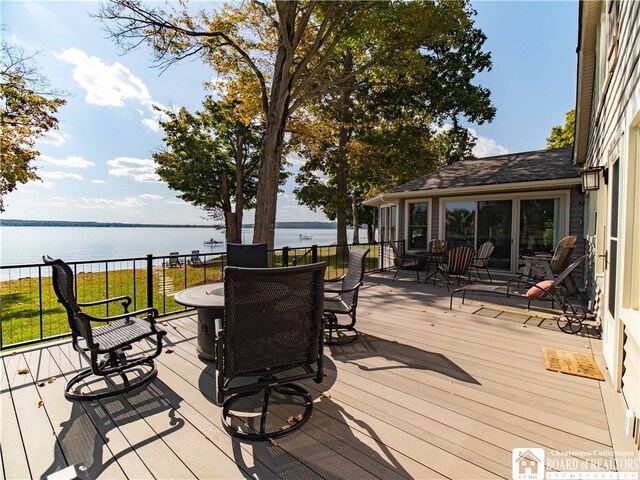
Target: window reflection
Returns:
[418, 225]
[460, 223]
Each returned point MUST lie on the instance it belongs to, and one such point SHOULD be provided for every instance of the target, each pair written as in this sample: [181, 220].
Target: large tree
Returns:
[288, 48]
[562, 136]
[213, 160]
[27, 109]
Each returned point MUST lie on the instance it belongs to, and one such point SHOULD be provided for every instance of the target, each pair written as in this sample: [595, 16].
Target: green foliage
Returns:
[397, 106]
[26, 113]
[563, 136]
[213, 160]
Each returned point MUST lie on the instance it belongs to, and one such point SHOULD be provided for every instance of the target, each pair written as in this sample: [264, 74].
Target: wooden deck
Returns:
[424, 393]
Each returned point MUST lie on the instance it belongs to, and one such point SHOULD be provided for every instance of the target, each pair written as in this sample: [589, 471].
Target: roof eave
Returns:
[476, 189]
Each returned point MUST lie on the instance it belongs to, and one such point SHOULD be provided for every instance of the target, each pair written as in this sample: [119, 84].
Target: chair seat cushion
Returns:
[336, 305]
[539, 289]
[121, 333]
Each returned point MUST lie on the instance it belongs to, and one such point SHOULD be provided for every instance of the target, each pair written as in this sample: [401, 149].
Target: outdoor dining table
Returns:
[209, 300]
[437, 259]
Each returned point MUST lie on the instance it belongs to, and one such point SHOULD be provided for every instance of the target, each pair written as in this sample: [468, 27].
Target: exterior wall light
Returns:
[591, 178]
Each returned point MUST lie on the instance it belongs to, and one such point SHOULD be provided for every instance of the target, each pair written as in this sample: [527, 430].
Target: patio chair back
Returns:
[174, 260]
[562, 254]
[63, 287]
[272, 318]
[483, 255]
[251, 255]
[459, 260]
[354, 276]
[196, 261]
[437, 246]
[397, 256]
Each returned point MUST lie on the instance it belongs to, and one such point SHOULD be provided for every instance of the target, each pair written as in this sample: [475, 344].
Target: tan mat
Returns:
[573, 363]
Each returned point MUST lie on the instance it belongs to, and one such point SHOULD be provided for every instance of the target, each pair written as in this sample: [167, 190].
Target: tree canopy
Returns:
[285, 54]
[562, 136]
[27, 109]
[213, 160]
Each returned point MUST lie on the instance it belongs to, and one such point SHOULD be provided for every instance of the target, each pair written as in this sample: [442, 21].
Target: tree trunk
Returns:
[343, 140]
[277, 115]
[355, 221]
[239, 194]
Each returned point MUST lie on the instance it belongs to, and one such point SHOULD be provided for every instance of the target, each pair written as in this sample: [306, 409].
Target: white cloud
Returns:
[150, 196]
[98, 181]
[107, 85]
[142, 170]
[111, 85]
[71, 162]
[53, 138]
[93, 203]
[59, 175]
[487, 147]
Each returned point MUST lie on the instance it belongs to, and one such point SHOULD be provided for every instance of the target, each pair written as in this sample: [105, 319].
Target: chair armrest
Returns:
[343, 290]
[126, 302]
[332, 280]
[152, 313]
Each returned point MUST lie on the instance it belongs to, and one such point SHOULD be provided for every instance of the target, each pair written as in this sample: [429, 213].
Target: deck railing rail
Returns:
[30, 312]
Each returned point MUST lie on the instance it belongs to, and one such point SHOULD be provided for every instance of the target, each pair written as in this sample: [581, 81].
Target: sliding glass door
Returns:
[495, 224]
[460, 223]
[539, 225]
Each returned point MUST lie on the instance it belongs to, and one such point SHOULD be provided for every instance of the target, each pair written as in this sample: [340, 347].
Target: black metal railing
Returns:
[30, 312]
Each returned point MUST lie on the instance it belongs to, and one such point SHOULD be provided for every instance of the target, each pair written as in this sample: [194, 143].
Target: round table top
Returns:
[202, 296]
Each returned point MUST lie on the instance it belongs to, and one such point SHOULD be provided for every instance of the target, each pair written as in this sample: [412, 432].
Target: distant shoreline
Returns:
[64, 223]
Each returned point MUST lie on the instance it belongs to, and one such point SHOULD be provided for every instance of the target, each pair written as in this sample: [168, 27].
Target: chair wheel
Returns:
[569, 323]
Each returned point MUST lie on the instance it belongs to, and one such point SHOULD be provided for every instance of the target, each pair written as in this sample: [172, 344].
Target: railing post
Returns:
[285, 256]
[314, 253]
[381, 253]
[149, 281]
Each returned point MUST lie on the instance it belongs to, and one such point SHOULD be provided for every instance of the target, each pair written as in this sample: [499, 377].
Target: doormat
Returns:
[572, 363]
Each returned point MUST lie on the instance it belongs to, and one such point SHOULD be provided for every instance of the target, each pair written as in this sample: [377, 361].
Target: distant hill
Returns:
[10, 222]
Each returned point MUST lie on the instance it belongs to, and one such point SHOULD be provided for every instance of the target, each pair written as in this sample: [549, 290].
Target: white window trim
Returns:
[563, 227]
[429, 202]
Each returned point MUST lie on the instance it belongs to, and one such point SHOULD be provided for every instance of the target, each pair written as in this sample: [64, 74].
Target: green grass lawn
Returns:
[23, 298]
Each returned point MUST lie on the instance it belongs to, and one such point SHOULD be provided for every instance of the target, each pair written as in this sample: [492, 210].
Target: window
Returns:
[418, 226]
[460, 223]
[539, 225]
[388, 223]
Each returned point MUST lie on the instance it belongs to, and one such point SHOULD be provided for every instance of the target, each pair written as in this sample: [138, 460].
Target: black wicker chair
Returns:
[251, 255]
[271, 336]
[108, 341]
[341, 298]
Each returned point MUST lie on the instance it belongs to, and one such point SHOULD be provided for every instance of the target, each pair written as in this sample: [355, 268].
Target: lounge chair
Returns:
[341, 298]
[250, 255]
[554, 290]
[104, 346]
[196, 261]
[270, 338]
[481, 259]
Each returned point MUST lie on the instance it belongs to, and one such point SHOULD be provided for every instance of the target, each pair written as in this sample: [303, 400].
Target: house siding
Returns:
[613, 124]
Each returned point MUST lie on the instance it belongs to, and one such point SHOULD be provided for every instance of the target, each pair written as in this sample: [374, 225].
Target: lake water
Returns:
[26, 245]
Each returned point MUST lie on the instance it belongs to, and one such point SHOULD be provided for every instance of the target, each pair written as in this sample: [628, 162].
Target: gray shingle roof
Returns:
[533, 166]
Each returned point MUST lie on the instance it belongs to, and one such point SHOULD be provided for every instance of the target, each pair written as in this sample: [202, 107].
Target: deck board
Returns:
[425, 392]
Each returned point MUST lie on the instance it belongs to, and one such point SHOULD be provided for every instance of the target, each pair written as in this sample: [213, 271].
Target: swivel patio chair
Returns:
[403, 260]
[341, 298]
[104, 346]
[271, 336]
[573, 316]
[481, 259]
[251, 255]
[458, 263]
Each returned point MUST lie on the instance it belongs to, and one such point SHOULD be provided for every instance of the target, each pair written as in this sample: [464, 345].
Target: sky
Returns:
[98, 166]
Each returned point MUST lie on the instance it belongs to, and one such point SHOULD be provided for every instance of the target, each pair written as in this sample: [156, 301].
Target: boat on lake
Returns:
[305, 237]
[213, 242]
